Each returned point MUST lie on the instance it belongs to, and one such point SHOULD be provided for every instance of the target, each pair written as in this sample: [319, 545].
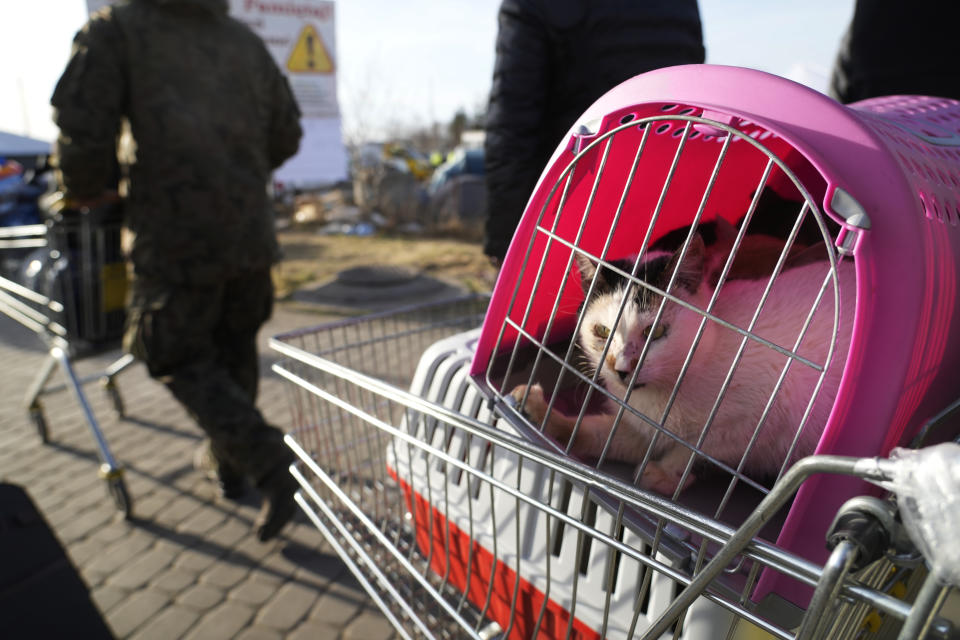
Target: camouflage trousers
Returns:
[200, 341]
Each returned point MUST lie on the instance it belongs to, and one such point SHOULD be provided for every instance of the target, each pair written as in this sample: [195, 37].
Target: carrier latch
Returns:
[584, 133]
[855, 220]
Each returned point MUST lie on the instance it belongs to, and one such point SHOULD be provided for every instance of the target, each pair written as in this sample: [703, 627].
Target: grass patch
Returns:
[311, 259]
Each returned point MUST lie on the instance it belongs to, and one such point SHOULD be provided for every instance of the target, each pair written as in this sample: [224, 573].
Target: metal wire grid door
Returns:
[534, 358]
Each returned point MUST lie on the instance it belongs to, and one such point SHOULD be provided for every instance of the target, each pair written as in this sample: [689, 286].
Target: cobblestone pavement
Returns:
[187, 565]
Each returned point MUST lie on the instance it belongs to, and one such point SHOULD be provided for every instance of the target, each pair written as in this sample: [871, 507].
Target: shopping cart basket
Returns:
[72, 292]
[444, 490]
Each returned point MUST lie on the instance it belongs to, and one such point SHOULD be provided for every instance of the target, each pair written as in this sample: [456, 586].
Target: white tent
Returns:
[21, 148]
[13, 145]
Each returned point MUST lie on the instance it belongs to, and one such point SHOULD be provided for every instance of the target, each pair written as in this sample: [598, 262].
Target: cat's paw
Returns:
[531, 402]
[664, 479]
[556, 425]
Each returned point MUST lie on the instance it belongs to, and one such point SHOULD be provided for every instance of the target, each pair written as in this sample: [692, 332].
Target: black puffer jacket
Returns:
[554, 58]
[893, 47]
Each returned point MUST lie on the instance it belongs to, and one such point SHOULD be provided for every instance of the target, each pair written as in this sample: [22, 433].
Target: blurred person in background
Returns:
[899, 48]
[210, 116]
[554, 58]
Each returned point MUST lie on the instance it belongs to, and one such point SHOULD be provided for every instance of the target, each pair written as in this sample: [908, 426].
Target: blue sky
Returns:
[417, 61]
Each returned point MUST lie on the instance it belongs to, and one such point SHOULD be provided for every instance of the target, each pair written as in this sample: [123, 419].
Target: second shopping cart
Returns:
[70, 289]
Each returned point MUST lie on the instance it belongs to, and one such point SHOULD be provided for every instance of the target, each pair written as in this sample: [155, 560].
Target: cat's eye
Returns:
[601, 331]
[654, 334]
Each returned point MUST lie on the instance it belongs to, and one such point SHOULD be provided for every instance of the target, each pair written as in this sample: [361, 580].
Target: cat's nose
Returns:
[629, 368]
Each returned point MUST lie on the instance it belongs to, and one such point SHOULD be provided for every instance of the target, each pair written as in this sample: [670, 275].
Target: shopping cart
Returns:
[465, 516]
[70, 289]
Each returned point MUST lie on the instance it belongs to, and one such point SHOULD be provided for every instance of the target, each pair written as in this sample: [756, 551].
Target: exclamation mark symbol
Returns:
[310, 52]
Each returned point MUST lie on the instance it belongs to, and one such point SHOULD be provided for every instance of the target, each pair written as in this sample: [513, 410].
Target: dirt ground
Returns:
[311, 258]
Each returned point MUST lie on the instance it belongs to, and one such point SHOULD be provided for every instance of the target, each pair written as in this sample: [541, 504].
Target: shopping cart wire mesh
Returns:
[459, 526]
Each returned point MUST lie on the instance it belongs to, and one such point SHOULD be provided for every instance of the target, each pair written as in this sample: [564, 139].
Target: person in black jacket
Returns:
[898, 48]
[211, 116]
[554, 58]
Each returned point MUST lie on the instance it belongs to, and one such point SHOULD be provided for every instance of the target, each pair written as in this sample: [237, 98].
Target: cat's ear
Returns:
[690, 271]
[726, 231]
[588, 269]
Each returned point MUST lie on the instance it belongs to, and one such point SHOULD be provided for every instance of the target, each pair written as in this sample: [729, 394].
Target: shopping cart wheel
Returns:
[36, 416]
[110, 387]
[117, 489]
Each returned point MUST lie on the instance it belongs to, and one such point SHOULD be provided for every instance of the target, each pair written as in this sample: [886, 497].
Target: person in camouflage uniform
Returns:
[210, 116]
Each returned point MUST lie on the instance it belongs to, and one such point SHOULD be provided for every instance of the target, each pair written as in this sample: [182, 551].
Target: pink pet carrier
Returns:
[882, 178]
[462, 517]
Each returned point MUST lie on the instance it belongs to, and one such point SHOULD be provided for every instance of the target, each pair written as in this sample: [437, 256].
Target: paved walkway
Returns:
[188, 564]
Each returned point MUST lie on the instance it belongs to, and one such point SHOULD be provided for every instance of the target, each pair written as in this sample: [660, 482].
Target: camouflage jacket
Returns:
[210, 115]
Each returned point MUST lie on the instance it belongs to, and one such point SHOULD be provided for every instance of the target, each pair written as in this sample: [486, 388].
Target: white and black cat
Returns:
[668, 343]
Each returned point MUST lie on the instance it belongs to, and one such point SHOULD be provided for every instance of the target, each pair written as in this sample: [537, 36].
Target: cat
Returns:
[756, 255]
[752, 383]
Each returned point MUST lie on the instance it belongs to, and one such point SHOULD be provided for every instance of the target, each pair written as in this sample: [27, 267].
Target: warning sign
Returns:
[309, 55]
[302, 38]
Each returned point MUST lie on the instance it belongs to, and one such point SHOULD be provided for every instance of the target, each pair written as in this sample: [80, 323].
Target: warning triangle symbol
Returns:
[309, 55]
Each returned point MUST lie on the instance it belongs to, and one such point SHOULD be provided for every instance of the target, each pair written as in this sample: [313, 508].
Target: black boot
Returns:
[278, 507]
[233, 485]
